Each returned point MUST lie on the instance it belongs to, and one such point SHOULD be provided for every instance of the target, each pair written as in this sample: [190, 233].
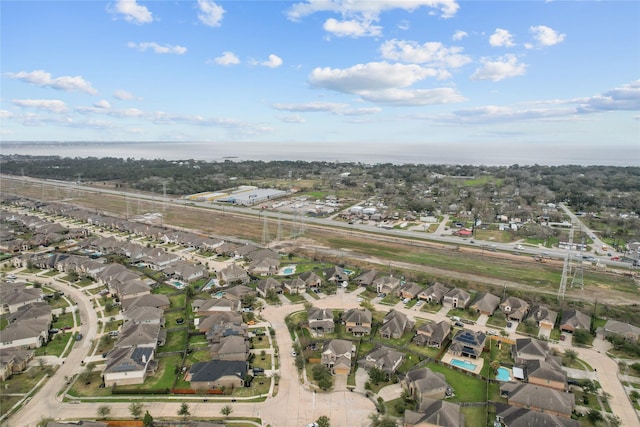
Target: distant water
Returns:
[374, 153]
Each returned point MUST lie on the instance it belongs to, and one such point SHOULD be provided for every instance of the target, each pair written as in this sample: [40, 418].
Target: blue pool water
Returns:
[503, 374]
[347, 272]
[287, 271]
[210, 284]
[464, 364]
[219, 294]
[177, 284]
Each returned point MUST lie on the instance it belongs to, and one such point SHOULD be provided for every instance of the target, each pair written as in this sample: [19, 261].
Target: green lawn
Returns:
[259, 342]
[164, 376]
[63, 320]
[176, 341]
[466, 388]
[475, 416]
[56, 346]
[177, 301]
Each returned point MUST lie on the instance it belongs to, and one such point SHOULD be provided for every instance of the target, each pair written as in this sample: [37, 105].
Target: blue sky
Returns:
[512, 73]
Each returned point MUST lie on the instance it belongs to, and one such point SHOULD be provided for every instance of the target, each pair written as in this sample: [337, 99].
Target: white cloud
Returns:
[311, 107]
[166, 49]
[122, 95]
[102, 104]
[432, 53]
[459, 35]
[418, 97]
[546, 36]
[338, 109]
[501, 37]
[368, 8]
[227, 58]
[369, 77]
[505, 67]
[626, 98]
[43, 79]
[358, 16]
[210, 13]
[292, 119]
[51, 105]
[351, 28]
[4, 114]
[274, 61]
[133, 12]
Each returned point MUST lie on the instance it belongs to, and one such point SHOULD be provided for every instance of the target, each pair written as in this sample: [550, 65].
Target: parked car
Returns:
[78, 337]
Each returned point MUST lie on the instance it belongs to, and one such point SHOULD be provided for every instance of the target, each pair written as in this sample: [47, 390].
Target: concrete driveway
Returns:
[390, 392]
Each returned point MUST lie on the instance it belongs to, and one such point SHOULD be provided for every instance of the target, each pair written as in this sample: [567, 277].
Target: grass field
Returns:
[465, 388]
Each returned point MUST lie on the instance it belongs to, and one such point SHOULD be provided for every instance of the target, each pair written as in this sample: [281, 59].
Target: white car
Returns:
[293, 353]
[359, 299]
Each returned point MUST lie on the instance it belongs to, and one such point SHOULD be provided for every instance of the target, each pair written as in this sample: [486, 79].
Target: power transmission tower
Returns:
[566, 268]
[265, 233]
[578, 270]
[279, 231]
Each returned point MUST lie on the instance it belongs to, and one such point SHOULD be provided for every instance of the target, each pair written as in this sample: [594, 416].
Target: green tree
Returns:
[377, 375]
[135, 408]
[104, 411]
[571, 355]
[184, 411]
[147, 421]
[226, 410]
[581, 336]
[323, 421]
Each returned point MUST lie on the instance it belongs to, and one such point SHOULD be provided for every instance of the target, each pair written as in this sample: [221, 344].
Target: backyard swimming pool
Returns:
[176, 284]
[503, 374]
[288, 270]
[210, 284]
[464, 364]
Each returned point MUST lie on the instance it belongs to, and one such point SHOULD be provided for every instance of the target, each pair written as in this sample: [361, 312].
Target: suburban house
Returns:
[539, 398]
[28, 327]
[357, 321]
[366, 278]
[148, 300]
[141, 335]
[467, 343]
[573, 319]
[386, 284]
[14, 360]
[383, 358]
[621, 329]
[544, 318]
[335, 275]
[129, 289]
[295, 286]
[264, 267]
[434, 293]
[433, 334]
[515, 308]
[231, 347]
[409, 290]
[337, 355]
[456, 298]
[217, 318]
[434, 412]
[547, 373]
[238, 292]
[203, 307]
[486, 304]
[269, 284]
[320, 320]
[217, 374]
[15, 295]
[218, 331]
[395, 323]
[513, 416]
[128, 365]
[529, 349]
[145, 315]
[233, 274]
[185, 272]
[311, 279]
[423, 383]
